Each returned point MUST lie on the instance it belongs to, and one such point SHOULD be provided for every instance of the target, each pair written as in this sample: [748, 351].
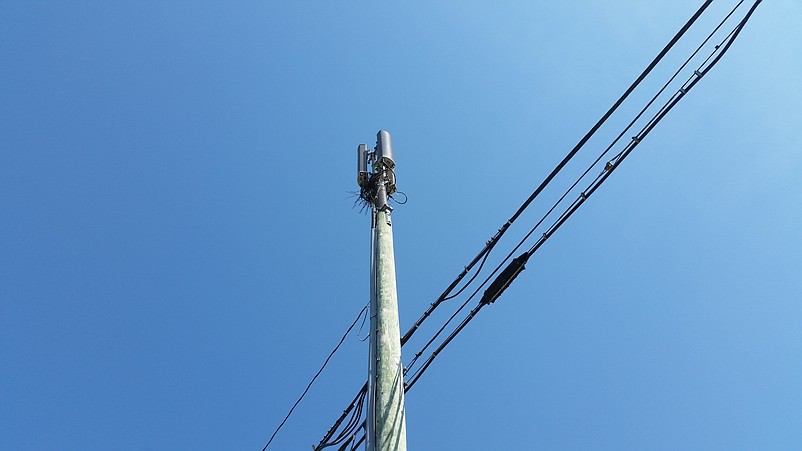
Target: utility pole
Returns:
[386, 422]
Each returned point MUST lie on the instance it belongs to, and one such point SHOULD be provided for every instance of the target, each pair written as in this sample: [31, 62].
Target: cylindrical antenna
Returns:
[384, 150]
[384, 160]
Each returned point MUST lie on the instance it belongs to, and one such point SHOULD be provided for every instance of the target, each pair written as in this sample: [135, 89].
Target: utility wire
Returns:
[351, 429]
[492, 242]
[470, 281]
[613, 164]
[364, 309]
[515, 268]
[342, 417]
[569, 190]
[357, 442]
[483, 254]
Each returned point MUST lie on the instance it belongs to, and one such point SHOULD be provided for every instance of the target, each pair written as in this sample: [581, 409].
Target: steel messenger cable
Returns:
[518, 264]
[494, 240]
[411, 364]
[481, 256]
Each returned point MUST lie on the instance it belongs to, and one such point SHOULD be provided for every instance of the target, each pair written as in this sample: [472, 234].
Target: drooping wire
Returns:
[568, 191]
[492, 242]
[352, 442]
[406, 198]
[470, 281]
[482, 255]
[703, 69]
[351, 428]
[475, 275]
[359, 332]
[359, 442]
[346, 412]
[361, 312]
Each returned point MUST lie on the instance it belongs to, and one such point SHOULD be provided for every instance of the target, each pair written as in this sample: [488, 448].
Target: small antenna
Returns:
[362, 176]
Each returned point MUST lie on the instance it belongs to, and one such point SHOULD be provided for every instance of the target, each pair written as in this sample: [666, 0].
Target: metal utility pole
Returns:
[386, 423]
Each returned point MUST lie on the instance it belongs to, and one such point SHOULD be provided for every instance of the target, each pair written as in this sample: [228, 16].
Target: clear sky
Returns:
[179, 249]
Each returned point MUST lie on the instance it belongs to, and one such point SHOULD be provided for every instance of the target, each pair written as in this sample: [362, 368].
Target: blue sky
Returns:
[180, 250]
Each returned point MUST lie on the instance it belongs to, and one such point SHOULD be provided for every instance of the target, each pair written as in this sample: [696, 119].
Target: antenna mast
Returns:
[386, 423]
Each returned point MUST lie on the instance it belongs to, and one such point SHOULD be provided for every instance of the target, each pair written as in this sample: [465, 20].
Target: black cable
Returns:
[359, 442]
[419, 373]
[565, 194]
[398, 201]
[470, 281]
[571, 188]
[716, 56]
[492, 242]
[362, 427]
[364, 309]
[351, 427]
[483, 254]
[342, 417]
[360, 330]
[718, 52]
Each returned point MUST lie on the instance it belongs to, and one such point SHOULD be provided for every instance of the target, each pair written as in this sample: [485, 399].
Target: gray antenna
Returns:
[385, 164]
[384, 149]
[362, 176]
[375, 171]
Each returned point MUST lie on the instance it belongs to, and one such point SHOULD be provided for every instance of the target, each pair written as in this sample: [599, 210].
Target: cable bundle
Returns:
[347, 437]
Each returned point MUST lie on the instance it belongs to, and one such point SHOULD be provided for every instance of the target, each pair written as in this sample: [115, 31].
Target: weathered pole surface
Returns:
[386, 422]
[370, 421]
[391, 434]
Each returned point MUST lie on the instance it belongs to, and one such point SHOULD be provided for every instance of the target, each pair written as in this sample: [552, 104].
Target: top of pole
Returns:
[376, 171]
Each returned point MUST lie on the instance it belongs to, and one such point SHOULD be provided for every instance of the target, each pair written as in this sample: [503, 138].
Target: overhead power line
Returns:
[501, 231]
[484, 253]
[361, 312]
[570, 189]
[326, 441]
[517, 265]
